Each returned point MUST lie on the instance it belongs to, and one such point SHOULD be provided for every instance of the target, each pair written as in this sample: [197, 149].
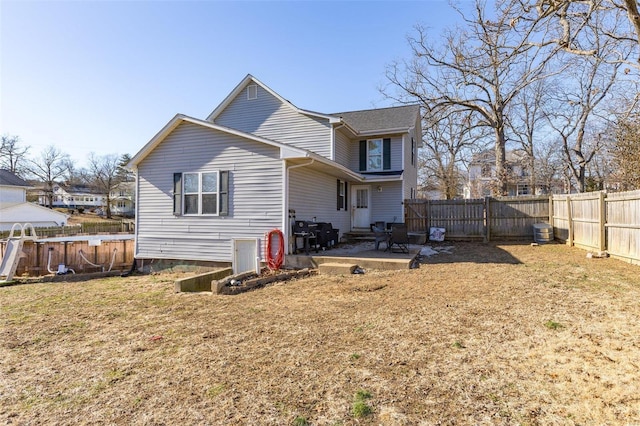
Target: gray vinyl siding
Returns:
[255, 201]
[411, 171]
[313, 194]
[343, 151]
[268, 117]
[396, 152]
[387, 205]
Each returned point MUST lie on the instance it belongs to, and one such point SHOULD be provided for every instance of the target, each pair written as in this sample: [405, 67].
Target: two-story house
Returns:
[122, 197]
[482, 175]
[256, 160]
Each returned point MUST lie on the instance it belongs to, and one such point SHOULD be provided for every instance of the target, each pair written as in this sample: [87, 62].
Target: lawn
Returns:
[488, 334]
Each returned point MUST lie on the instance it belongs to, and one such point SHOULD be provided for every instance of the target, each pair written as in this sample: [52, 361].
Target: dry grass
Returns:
[491, 334]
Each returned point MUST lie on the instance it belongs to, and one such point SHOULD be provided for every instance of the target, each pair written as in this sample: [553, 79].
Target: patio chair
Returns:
[399, 237]
[381, 236]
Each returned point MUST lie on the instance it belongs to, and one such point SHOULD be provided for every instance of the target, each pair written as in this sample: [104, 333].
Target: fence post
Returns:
[602, 220]
[569, 222]
[487, 219]
[551, 212]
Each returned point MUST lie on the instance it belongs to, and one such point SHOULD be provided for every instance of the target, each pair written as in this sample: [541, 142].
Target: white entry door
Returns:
[360, 200]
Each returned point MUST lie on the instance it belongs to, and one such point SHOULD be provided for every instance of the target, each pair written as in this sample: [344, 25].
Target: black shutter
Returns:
[386, 154]
[224, 193]
[338, 198]
[346, 191]
[363, 156]
[177, 194]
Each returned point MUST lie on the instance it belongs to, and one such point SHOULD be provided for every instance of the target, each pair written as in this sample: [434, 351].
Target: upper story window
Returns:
[252, 91]
[375, 155]
[486, 170]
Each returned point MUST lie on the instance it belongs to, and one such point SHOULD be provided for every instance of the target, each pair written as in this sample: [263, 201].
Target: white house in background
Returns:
[122, 197]
[482, 174]
[14, 207]
[74, 197]
[256, 160]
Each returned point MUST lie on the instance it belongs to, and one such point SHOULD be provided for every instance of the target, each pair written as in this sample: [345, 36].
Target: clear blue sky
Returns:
[104, 77]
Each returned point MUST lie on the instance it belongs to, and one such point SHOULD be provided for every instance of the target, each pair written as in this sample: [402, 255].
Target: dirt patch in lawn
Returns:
[479, 334]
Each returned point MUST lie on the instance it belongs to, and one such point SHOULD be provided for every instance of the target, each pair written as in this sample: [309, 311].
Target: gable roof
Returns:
[286, 151]
[7, 178]
[382, 120]
[251, 79]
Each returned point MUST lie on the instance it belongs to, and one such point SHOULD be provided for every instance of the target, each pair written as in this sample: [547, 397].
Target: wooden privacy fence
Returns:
[40, 257]
[593, 221]
[479, 219]
[600, 221]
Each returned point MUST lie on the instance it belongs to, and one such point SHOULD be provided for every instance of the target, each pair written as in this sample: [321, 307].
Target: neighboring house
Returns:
[74, 197]
[482, 175]
[14, 207]
[122, 197]
[257, 160]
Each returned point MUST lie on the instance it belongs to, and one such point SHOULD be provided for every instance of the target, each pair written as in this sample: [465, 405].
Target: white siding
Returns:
[268, 117]
[9, 194]
[313, 194]
[255, 201]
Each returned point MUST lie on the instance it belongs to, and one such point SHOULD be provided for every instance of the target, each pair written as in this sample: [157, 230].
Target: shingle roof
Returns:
[382, 118]
[7, 178]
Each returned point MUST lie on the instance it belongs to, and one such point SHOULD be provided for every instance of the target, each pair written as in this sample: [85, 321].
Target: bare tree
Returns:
[478, 69]
[527, 123]
[13, 156]
[550, 164]
[49, 167]
[450, 141]
[580, 103]
[572, 22]
[103, 173]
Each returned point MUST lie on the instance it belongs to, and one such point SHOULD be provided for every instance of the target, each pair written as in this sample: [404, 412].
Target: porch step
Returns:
[355, 237]
[334, 268]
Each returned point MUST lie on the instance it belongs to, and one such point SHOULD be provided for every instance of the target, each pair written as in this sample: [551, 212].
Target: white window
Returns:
[252, 92]
[342, 195]
[200, 193]
[374, 155]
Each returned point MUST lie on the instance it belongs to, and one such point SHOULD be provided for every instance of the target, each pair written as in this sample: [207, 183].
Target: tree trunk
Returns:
[501, 175]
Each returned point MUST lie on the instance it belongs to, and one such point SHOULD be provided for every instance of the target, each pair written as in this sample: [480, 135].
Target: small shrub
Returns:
[354, 356]
[301, 421]
[360, 408]
[458, 345]
[552, 325]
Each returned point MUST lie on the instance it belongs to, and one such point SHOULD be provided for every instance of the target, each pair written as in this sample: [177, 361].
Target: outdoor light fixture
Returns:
[379, 188]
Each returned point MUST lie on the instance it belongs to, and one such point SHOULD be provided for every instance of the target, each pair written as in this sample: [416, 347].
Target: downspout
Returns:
[285, 210]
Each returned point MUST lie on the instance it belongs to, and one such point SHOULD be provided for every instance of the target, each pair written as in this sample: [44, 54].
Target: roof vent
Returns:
[252, 91]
